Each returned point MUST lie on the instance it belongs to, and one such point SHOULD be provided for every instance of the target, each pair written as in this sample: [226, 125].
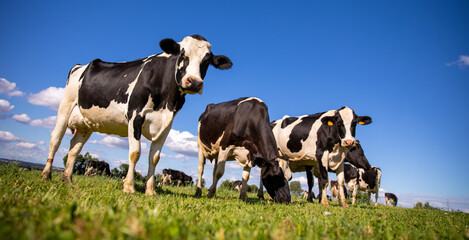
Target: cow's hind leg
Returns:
[200, 168]
[218, 171]
[76, 144]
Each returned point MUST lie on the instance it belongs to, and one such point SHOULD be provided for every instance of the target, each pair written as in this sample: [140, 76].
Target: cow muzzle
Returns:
[348, 143]
[192, 85]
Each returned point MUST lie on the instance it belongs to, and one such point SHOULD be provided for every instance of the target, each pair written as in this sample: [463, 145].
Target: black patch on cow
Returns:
[198, 37]
[350, 172]
[288, 121]
[356, 156]
[300, 132]
[369, 176]
[205, 64]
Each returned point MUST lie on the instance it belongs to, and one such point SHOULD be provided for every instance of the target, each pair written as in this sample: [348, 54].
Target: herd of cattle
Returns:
[142, 97]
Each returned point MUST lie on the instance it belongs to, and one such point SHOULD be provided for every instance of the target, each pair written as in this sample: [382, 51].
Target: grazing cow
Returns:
[94, 167]
[132, 99]
[240, 130]
[169, 176]
[237, 185]
[390, 198]
[356, 156]
[306, 193]
[363, 180]
[321, 141]
[334, 189]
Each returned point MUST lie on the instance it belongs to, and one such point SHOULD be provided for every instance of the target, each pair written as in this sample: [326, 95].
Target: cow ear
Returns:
[260, 162]
[363, 120]
[170, 46]
[330, 120]
[221, 62]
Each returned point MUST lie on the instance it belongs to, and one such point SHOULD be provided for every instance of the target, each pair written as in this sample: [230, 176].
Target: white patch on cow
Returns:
[110, 120]
[249, 99]
[157, 125]
[347, 116]
[195, 50]
[163, 54]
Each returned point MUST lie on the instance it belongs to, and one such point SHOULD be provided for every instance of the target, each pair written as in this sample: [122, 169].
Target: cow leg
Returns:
[65, 109]
[340, 184]
[309, 176]
[134, 155]
[76, 144]
[260, 192]
[323, 183]
[246, 172]
[376, 196]
[369, 197]
[200, 168]
[153, 159]
[218, 172]
[354, 193]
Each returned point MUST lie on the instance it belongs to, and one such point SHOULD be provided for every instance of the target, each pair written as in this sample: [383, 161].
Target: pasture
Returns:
[96, 208]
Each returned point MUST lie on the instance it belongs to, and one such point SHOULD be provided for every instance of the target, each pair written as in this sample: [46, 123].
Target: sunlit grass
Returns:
[96, 208]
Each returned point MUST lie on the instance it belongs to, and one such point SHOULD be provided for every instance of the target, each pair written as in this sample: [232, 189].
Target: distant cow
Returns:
[131, 99]
[306, 193]
[240, 130]
[170, 176]
[97, 168]
[363, 180]
[237, 185]
[321, 141]
[334, 189]
[390, 198]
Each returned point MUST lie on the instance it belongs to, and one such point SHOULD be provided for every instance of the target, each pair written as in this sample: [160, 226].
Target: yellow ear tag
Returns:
[330, 123]
[361, 123]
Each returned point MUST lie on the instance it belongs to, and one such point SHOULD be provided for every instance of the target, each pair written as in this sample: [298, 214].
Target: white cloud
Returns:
[463, 61]
[302, 180]
[182, 142]
[9, 88]
[26, 145]
[8, 137]
[49, 97]
[22, 118]
[114, 142]
[5, 106]
[233, 165]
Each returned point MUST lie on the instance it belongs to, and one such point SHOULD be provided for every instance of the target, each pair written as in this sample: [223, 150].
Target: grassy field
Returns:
[96, 208]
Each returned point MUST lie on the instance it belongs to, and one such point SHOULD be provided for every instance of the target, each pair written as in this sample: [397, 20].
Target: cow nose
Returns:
[348, 142]
[193, 84]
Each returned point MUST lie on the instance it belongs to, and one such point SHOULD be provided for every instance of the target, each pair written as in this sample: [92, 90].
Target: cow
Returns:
[364, 180]
[237, 185]
[95, 167]
[390, 198]
[169, 176]
[321, 141]
[356, 156]
[131, 99]
[240, 130]
[334, 189]
[306, 193]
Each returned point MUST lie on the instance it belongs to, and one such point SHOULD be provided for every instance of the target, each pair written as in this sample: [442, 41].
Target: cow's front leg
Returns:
[260, 192]
[153, 159]
[323, 177]
[244, 187]
[309, 177]
[340, 184]
[134, 155]
[354, 193]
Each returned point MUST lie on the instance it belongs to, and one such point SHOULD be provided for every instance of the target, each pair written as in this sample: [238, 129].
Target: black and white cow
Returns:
[240, 130]
[356, 156]
[334, 189]
[364, 180]
[322, 141]
[237, 185]
[390, 198]
[95, 167]
[170, 175]
[131, 99]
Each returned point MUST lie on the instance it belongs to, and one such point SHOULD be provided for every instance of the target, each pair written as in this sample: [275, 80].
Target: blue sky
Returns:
[404, 63]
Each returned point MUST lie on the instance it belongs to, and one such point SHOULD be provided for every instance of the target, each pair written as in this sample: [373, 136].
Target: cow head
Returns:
[193, 58]
[274, 180]
[356, 156]
[342, 126]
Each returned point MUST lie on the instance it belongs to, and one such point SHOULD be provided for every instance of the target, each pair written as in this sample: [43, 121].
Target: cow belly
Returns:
[299, 165]
[110, 120]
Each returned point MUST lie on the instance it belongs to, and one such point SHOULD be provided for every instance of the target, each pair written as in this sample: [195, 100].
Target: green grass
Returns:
[96, 208]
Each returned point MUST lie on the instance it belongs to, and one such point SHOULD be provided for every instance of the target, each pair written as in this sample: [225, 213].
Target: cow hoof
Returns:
[344, 205]
[211, 194]
[198, 193]
[129, 188]
[243, 197]
[325, 204]
[67, 180]
[150, 193]
[46, 175]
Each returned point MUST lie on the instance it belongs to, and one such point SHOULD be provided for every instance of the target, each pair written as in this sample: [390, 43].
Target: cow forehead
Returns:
[346, 114]
[195, 47]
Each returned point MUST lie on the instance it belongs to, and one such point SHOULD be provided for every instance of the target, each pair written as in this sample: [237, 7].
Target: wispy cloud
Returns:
[6, 136]
[9, 88]
[48, 122]
[462, 62]
[49, 97]
[5, 106]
